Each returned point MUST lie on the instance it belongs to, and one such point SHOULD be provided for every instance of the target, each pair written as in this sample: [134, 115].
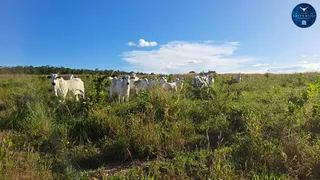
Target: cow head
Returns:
[126, 80]
[54, 78]
[146, 81]
[163, 80]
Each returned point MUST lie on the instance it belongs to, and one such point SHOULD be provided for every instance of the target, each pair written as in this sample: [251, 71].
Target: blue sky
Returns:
[159, 36]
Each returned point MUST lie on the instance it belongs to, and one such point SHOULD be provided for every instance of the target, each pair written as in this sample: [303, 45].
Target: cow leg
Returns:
[77, 97]
[64, 97]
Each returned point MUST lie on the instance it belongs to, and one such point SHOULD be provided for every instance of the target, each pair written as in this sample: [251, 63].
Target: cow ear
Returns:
[48, 77]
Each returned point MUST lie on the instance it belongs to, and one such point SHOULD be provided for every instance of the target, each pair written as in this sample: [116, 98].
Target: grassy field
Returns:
[266, 127]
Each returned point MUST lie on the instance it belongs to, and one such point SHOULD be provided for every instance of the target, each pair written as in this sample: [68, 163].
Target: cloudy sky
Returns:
[159, 36]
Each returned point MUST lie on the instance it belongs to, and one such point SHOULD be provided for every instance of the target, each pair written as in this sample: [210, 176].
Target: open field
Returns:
[266, 127]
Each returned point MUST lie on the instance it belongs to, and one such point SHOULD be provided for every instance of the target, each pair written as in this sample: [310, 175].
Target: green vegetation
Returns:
[52, 69]
[266, 127]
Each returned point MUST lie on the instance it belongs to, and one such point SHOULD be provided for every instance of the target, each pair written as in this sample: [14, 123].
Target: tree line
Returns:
[38, 70]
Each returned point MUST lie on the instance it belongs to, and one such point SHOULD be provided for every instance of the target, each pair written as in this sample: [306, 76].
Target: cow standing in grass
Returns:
[62, 87]
[121, 87]
[179, 82]
[199, 82]
[112, 88]
[142, 85]
[168, 86]
[210, 80]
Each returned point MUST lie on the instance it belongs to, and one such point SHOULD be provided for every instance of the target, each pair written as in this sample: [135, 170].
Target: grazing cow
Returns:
[142, 85]
[122, 88]
[62, 87]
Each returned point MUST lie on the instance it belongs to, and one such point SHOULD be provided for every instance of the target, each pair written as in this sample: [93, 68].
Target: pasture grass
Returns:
[266, 127]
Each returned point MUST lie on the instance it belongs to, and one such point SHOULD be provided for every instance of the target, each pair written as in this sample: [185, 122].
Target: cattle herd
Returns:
[123, 85]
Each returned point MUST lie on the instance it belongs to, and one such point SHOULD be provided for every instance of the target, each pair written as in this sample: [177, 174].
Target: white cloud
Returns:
[193, 61]
[259, 64]
[153, 43]
[143, 43]
[182, 57]
[302, 62]
[302, 66]
[131, 44]
[311, 67]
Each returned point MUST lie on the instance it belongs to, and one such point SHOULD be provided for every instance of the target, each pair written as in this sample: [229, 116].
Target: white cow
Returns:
[210, 80]
[142, 85]
[179, 82]
[168, 86]
[133, 81]
[163, 79]
[238, 78]
[205, 78]
[122, 88]
[152, 83]
[62, 87]
[112, 88]
[199, 82]
[133, 75]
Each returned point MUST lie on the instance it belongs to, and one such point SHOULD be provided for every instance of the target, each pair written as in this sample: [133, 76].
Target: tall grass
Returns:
[266, 127]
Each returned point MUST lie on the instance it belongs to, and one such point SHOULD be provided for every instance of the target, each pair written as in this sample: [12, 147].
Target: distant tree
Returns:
[192, 72]
[51, 69]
